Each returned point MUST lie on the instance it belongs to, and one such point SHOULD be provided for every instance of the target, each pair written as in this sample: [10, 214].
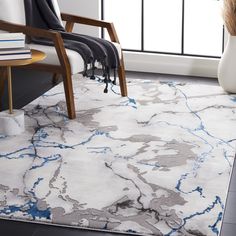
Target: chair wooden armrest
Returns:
[71, 19]
[64, 67]
[31, 31]
[36, 32]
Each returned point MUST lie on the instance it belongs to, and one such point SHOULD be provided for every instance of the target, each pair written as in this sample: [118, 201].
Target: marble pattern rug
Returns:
[155, 163]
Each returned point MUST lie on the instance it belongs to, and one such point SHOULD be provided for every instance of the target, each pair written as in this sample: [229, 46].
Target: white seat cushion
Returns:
[118, 48]
[76, 61]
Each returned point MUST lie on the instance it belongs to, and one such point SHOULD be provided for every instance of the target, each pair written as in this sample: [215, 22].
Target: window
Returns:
[127, 22]
[182, 27]
[163, 25]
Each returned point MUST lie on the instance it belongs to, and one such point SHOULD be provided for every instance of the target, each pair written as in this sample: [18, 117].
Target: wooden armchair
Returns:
[59, 59]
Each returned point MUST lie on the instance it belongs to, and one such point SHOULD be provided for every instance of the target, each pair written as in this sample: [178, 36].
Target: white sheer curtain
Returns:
[203, 27]
[163, 25]
[126, 15]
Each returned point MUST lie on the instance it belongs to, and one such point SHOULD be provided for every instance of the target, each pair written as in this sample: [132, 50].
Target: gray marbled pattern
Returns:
[156, 163]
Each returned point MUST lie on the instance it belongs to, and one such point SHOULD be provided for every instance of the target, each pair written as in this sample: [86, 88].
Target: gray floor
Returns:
[229, 221]
[27, 90]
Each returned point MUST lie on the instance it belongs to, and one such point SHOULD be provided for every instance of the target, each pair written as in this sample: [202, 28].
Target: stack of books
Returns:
[13, 47]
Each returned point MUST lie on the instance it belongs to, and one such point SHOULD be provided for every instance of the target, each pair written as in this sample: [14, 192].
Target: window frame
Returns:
[161, 52]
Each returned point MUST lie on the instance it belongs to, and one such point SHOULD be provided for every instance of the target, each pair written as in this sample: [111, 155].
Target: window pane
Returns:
[203, 27]
[163, 25]
[126, 16]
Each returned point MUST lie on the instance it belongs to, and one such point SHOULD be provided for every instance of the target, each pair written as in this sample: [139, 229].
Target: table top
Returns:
[36, 56]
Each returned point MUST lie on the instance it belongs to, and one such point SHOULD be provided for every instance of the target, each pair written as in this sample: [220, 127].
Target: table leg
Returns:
[9, 90]
[3, 76]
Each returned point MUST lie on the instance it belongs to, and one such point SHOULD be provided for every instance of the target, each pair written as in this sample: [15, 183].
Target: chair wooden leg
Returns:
[67, 81]
[122, 79]
[3, 76]
[55, 78]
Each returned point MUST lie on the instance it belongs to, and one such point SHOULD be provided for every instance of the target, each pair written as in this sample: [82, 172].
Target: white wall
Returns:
[87, 8]
[169, 64]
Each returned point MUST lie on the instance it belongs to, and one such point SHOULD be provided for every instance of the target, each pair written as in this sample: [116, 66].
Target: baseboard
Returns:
[171, 64]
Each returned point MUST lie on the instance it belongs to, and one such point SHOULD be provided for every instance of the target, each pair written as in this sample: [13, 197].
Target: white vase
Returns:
[227, 67]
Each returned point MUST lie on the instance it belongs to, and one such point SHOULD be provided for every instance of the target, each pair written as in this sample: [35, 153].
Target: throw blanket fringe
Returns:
[41, 14]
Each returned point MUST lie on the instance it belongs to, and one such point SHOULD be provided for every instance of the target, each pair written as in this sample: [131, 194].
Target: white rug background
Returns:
[158, 162]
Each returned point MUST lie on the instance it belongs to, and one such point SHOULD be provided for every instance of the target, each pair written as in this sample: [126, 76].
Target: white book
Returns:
[4, 51]
[12, 40]
[12, 44]
[11, 36]
[15, 56]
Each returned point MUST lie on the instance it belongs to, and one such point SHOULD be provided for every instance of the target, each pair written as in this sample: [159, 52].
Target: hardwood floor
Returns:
[28, 85]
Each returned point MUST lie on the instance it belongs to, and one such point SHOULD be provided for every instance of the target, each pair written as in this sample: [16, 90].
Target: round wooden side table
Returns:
[36, 56]
[9, 122]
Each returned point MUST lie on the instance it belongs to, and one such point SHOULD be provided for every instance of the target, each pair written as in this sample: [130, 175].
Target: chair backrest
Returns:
[14, 11]
[57, 10]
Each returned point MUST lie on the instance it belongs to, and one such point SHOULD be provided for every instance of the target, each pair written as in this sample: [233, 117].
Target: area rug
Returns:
[155, 163]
